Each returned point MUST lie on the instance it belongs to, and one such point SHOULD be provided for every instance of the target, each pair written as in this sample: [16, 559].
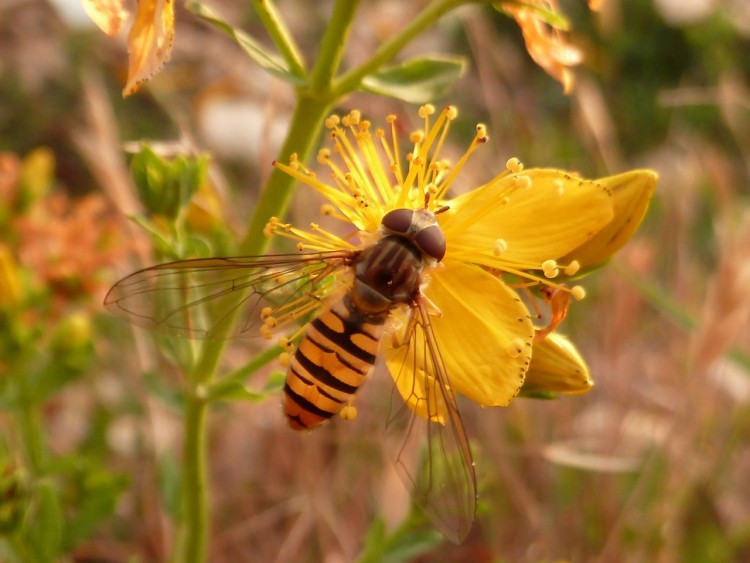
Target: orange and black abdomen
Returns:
[333, 359]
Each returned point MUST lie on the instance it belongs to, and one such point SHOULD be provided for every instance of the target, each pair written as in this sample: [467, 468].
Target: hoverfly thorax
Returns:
[389, 272]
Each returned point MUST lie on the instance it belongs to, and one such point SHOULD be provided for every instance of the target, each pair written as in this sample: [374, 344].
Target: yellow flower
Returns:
[518, 231]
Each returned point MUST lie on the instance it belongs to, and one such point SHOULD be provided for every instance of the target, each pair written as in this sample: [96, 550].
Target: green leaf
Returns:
[416, 81]
[268, 61]
[98, 492]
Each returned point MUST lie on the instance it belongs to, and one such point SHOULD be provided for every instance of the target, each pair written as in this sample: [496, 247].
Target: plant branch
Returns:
[280, 36]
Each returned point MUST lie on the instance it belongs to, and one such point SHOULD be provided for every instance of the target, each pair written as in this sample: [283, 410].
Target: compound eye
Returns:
[398, 221]
[431, 241]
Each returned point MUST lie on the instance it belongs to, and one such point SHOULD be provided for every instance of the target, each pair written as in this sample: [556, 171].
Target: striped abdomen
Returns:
[333, 359]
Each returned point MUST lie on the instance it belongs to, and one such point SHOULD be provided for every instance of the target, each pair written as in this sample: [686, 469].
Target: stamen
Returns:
[482, 136]
[285, 358]
[578, 292]
[332, 121]
[572, 268]
[349, 412]
[500, 246]
[426, 110]
[550, 269]
[514, 165]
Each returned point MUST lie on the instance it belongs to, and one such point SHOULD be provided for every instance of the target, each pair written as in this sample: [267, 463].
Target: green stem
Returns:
[333, 44]
[195, 517]
[304, 132]
[280, 36]
[351, 80]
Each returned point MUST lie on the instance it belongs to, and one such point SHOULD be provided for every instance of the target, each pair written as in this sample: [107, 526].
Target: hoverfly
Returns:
[352, 296]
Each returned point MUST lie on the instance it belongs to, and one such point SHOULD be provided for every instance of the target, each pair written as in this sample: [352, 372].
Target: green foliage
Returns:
[267, 60]
[413, 537]
[166, 186]
[416, 81]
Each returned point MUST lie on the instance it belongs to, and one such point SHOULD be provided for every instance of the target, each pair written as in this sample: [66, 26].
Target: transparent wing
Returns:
[210, 298]
[435, 461]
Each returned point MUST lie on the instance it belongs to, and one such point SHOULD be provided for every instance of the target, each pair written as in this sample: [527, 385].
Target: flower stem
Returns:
[303, 133]
[193, 542]
[333, 44]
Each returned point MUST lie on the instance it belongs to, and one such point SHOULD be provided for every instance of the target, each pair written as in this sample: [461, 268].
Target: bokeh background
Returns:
[651, 465]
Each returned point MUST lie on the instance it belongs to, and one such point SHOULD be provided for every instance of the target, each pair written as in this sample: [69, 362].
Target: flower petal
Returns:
[557, 367]
[484, 334]
[149, 41]
[537, 214]
[631, 193]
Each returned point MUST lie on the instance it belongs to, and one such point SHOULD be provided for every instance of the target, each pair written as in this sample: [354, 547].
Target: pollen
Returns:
[514, 165]
[572, 268]
[515, 347]
[286, 343]
[285, 358]
[416, 136]
[500, 246]
[266, 312]
[550, 269]
[451, 113]
[426, 110]
[324, 156]
[578, 292]
[270, 321]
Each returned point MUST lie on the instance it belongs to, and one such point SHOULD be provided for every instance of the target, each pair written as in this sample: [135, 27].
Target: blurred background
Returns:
[651, 465]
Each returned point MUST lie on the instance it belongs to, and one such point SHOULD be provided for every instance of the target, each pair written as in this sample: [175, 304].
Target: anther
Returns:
[426, 110]
[500, 247]
[578, 292]
[549, 267]
[451, 112]
[332, 121]
[572, 268]
[349, 412]
[266, 312]
[514, 165]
